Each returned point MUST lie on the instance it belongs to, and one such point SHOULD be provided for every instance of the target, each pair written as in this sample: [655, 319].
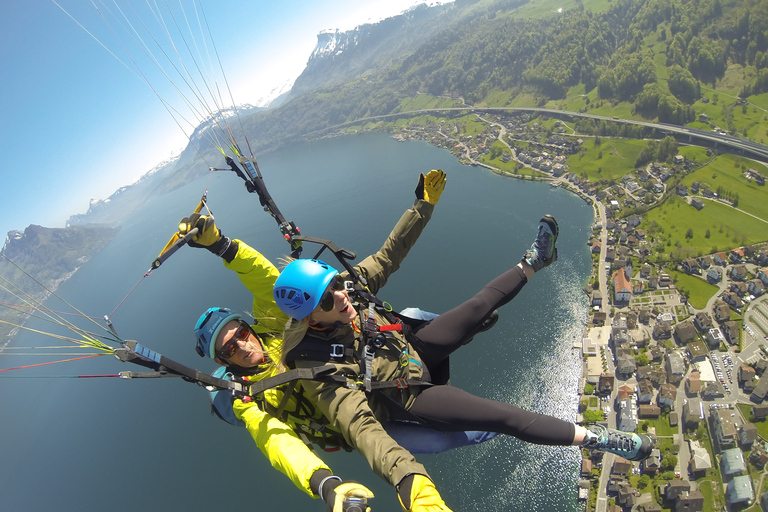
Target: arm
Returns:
[258, 275]
[280, 444]
[349, 412]
[379, 266]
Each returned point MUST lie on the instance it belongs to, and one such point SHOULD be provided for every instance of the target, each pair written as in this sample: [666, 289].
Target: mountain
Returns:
[47, 255]
[340, 57]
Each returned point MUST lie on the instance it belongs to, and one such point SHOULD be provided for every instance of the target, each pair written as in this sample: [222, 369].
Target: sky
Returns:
[81, 117]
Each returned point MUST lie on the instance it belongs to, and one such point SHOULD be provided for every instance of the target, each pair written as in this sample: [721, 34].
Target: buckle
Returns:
[337, 350]
[349, 286]
[401, 383]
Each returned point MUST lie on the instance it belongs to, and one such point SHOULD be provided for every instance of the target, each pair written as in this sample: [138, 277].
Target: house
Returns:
[586, 468]
[597, 298]
[756, 287]
[621, 466]
[685, 332]
[746, 375]
[732, 462]
[720, 258]
[731, 332]
[693, 413]
[714, 275]
[736, 255]
[724, 429]
[697, 351]
[703, 321]
[733, 300]
[739, 272]
[748, 434]
[637, 288]
[667, 395]
[605, 384]
[645, 270]
[739, 490]
[697, 203]
[758, 456]
[675, 488]
[715, 337]
[644, 391]
[760, 391]
[663, 330]
[626, 415]
[653, 463]
[626, 365]
[627, 496]
[622, 288]
[648, 411]
[691, 266]
[675, 367]
[691, 501]
[653, 282]
[739, 288]
[693, 383]
[705, 262]
[700, 459]
[721, 311]
[762, 274]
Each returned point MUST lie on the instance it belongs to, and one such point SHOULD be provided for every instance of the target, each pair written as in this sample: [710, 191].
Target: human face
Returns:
[342, 310]
[249, 351]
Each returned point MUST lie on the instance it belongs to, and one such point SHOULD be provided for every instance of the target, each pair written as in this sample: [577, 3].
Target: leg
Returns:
[443, 335]
[448, 332]
[452, 409]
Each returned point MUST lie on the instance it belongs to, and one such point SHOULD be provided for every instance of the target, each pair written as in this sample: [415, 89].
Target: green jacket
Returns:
[277, 440]
[350, 410]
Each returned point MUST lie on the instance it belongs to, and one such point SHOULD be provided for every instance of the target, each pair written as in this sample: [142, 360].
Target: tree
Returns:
[589, 389]
[669, 463]
[689, 233]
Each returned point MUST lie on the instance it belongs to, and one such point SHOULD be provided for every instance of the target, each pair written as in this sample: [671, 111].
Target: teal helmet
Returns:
[209, 326]
[301, 285]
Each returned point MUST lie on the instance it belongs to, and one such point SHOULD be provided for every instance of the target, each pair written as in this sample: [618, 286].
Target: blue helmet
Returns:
[209, 326]
[300, 286]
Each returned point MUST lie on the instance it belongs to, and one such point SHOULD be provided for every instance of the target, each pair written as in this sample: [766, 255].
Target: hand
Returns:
[207, 232]
[424, 496]
[346, 490]
[431, 186]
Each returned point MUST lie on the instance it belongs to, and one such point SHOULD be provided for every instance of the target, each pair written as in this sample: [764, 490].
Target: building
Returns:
[675, 368]
[725, 430]
[732, 462]
[739, 490]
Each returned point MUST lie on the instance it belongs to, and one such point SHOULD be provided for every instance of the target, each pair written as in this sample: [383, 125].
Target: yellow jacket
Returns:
[276, 439]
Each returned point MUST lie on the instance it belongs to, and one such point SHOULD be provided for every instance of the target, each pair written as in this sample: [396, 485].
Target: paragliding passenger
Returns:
[252, 352]
[388, 370]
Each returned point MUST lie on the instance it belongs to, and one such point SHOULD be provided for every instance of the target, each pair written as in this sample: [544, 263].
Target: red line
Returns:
[51, 362]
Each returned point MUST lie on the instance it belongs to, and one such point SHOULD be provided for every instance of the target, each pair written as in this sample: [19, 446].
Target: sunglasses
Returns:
[230, 346]
[326, 301]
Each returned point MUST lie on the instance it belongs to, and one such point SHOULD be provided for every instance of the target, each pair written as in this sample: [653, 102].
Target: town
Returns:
[652, 361]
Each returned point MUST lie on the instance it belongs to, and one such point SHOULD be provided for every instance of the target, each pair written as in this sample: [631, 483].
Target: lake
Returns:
[152, 444]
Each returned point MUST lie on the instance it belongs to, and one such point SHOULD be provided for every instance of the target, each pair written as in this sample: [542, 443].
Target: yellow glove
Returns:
[350, 496]
[424, 497]
[431, 186]
[207, 232]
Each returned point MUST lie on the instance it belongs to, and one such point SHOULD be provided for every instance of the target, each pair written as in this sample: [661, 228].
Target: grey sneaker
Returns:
[543, 251]
[629, 445]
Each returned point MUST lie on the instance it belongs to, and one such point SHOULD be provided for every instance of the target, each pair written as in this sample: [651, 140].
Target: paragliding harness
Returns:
[225, 387]
[371, 338]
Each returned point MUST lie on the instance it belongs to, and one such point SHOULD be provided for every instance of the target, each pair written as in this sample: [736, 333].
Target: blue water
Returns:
[126, 445]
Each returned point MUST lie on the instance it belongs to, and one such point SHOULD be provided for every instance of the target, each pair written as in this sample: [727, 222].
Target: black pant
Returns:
[448, 408]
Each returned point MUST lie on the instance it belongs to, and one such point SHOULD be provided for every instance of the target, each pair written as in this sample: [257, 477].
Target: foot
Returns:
[624, 444]
[543, 251]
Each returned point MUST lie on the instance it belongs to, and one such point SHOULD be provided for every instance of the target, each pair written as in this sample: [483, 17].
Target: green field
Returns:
[610, 159]
[717, 227]
[700, 291]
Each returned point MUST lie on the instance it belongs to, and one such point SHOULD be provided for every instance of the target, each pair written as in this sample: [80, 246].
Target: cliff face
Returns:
[50, 256]
[342, 56]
